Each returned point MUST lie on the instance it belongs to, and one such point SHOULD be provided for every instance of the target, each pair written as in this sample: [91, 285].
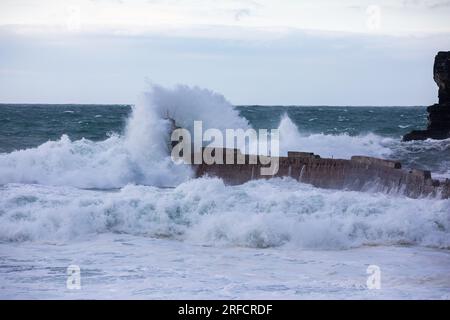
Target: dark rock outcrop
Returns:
[441, 73]
[438, 114]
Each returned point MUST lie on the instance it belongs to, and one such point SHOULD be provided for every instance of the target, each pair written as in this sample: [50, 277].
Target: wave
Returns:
[204, 211]
[41, 197]
[430, 154]
[140, 155]
[331, 146]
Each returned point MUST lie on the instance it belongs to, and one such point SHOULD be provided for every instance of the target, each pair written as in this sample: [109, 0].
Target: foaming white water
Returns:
[120, 266]
[188, 104]
[205, 211]
[86, 164]
[127, 234]
[429, 154]
[337, 146]
[140, 156]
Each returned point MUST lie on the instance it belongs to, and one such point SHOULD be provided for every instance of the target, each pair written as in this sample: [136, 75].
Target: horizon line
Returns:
[234, 105]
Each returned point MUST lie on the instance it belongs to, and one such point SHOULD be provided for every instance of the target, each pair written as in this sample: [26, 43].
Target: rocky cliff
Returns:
[441, 72]
[438, 114]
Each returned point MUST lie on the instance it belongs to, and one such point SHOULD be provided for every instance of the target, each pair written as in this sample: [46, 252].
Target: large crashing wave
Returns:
[40, 199]
[186, 104]
[140, 156]
[259, 214]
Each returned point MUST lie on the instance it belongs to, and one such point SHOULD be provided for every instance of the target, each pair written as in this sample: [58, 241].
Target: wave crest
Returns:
[331, 146]
[140, 156]
[205, 211]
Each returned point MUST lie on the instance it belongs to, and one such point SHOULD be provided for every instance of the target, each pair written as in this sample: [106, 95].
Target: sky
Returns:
[268, 52]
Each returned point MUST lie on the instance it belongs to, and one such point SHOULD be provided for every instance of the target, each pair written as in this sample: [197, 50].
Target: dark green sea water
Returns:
[26, 125]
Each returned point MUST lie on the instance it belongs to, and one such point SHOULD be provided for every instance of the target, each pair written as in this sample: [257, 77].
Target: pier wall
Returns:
[358, 174]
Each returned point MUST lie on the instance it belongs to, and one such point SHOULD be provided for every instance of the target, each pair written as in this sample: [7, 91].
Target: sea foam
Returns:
[43, 196]
[333, 146]
[266, 213]
[140, 155]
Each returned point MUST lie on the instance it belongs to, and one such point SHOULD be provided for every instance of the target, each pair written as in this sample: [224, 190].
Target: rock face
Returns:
[441, 72]
[438, 114]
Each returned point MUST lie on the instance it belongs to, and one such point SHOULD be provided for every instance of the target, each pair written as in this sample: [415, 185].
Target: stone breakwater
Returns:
[360, 173]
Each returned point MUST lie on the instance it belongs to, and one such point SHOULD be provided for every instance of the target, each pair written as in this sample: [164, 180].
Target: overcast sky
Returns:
[322, 52]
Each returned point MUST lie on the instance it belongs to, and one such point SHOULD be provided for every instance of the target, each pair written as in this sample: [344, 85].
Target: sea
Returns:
[93, 186]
